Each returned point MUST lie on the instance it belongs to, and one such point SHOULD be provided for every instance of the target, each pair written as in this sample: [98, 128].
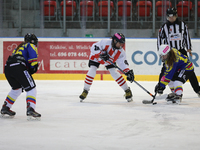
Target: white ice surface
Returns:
[104, 121]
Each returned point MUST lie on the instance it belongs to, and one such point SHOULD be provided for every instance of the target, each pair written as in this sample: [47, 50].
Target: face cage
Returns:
[162, 59]
[122, 45]
[172, 16]
[115, 42]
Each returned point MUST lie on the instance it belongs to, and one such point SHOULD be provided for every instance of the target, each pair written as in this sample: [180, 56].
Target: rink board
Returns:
[67, 58]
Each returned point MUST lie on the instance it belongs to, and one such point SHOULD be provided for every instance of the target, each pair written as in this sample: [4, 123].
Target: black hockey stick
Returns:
[151, 101]
[144, 101]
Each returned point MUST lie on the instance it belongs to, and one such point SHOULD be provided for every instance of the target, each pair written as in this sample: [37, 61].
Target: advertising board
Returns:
[68, 57]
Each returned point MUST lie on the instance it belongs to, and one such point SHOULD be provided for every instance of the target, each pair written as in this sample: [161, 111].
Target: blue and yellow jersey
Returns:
[182, 63]
[29, 52]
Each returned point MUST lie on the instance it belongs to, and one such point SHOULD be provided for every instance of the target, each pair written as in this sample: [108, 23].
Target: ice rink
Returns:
[104, 121]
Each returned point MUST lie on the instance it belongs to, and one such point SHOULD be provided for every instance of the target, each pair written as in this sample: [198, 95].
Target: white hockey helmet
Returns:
[163, 51]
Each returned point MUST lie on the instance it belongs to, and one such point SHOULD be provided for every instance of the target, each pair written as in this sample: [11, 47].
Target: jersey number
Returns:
[96, 48]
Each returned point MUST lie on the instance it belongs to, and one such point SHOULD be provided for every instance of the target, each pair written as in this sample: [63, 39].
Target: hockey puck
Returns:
[154, 103]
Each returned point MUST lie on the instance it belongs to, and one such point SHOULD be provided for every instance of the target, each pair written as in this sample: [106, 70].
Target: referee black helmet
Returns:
[171, 12]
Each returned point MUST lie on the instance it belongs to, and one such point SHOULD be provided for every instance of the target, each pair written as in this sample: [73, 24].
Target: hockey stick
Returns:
[144, 101]
[151, 101]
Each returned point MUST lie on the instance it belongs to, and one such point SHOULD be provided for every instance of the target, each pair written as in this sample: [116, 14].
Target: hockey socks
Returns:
[9, 101]
[31, 98]
[12, 96]
[118, 78]
[122, 83]
[90, 77]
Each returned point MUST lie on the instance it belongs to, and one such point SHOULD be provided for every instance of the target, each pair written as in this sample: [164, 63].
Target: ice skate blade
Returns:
[178, 102]
[31, 118]
[6, 116]
[81, 100]
[129, 100]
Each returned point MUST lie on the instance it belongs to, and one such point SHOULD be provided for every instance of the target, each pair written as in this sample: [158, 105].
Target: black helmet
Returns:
[119, 37]
[31, 38]
[171, 12]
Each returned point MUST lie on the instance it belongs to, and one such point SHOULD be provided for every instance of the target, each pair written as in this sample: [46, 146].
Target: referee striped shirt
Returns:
[174, 34]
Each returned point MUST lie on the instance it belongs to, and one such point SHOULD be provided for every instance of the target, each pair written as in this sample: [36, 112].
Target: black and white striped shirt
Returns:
[174, 34]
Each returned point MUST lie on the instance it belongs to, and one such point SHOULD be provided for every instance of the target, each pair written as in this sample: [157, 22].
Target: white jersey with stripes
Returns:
[115, 55]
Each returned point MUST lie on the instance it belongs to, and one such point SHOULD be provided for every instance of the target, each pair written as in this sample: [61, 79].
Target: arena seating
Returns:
[128, 7]
[184, 8]
[144, 8]
[103, 8]
[50, 8]
[70, 8]
[161, 7]
[86, 8]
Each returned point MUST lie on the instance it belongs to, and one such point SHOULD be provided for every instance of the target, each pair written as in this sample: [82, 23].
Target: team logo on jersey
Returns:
[170, 31]
[175, 37]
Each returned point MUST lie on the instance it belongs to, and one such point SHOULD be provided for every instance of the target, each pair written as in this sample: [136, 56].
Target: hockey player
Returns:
[101, 52]
[177, 70]
[18, 71]
[175, 34]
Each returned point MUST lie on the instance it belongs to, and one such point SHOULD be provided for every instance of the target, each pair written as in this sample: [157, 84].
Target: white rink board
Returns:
[143, 57]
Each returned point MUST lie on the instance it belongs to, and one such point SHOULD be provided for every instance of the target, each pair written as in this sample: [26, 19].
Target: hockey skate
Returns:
[128, 95]
[171, 95]
[83, 95]
[176, 99]
[32, 114]
[6, 112]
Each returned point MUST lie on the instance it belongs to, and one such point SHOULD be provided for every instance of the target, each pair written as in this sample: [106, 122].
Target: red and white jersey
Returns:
[116, 55]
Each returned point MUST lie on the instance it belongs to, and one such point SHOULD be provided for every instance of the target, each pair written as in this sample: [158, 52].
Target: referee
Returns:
[175, 33]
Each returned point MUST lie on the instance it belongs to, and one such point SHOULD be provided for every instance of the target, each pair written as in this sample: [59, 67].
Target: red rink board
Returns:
[58, 57]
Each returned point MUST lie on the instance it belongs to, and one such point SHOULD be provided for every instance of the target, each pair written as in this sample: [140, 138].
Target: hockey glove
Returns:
[130, 76]
[104, 56]
[159, 89]
[34, 69]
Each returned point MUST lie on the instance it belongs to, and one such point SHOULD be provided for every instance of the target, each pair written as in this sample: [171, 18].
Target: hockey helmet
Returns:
[171, 12]
[31, 38]
[119, 37]
[164, 51]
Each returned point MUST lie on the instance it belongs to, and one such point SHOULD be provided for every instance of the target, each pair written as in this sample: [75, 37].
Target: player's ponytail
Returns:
[171, 58]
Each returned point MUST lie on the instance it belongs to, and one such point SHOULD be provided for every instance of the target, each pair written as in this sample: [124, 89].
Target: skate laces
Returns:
[32, 112]
[84, 94]
[175, 98]
[6, 110]
[171, 95]
[128, 93]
